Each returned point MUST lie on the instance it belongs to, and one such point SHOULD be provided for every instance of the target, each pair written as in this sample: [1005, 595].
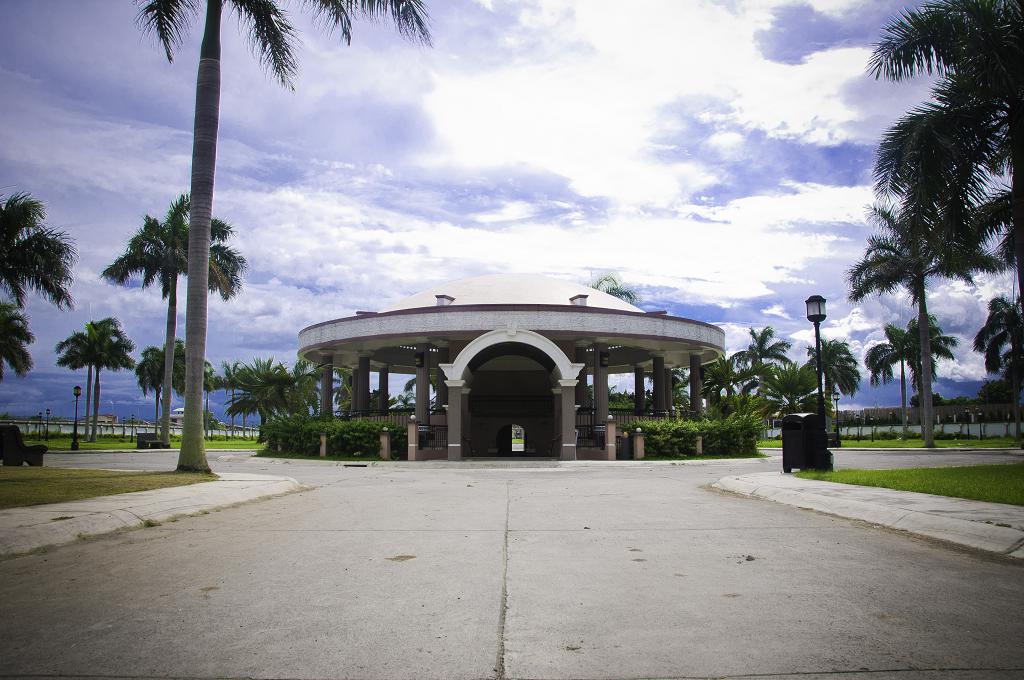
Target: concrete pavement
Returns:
[994, 527]
[568, 572]
[29, 528]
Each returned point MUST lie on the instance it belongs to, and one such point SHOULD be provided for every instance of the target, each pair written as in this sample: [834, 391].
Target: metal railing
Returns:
[432, 437]
[590, 436]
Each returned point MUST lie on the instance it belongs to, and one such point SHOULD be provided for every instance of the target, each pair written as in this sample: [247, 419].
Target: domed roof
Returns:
[511, 289]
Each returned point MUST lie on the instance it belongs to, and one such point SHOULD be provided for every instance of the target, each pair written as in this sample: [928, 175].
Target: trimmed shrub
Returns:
[735, 434]
[301, 435]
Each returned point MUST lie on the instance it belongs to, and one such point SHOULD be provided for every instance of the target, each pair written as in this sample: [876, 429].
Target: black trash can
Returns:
[804, 443]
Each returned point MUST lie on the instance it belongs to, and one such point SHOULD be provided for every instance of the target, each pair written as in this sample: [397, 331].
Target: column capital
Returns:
[568, 383]
[455, 383]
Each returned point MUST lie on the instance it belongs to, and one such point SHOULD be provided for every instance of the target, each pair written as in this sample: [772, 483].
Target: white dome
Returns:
[511, 289]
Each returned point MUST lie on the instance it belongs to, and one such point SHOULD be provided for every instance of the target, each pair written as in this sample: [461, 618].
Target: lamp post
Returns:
[816, 314]
[835, 398]
[74, 429]
[46, 432]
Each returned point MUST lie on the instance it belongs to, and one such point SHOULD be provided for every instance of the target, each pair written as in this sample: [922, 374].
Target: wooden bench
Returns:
[14, 450]
[148, 440]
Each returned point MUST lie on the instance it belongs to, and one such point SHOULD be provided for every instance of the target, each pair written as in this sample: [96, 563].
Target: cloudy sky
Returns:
[716, 154]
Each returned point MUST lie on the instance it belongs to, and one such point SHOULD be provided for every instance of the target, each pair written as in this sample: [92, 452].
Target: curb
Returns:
[485, 464]
[41, 526]
[835, 499]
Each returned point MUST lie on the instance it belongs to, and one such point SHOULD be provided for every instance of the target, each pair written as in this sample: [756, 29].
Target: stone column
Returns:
[581, 386]
[364, 382]
[385, 444]
[568, 451]
[353, 404]
[384, 398]
[327, 390]
[466, 423]
[658, 375]
[442, 384]
[600, 386]
[696, 386]
[556, 439]
[454, 388]
[638, 390]
[423, 385]
[669, 404]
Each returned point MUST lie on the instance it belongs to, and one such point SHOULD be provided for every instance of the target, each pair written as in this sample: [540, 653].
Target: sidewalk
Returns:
[993, 527]
[36, 526]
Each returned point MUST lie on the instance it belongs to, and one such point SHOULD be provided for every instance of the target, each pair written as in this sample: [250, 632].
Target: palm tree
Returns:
[211, 382]
[229, 381]
[839, 367]
[149, 374]
[911, 246]
[1001, 339]
[973, 128]
[14, 340]
[103, 344]
[613, 284]
[940, 346]
[71, 354]
[33, 256]
[158, 253]
[881, 358]
[273, 38]
[763, 351]
[790, 388]
[724, 375]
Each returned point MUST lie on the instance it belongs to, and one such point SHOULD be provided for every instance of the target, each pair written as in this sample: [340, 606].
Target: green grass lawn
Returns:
[993, 443]
[21, 486]
[117, 443]
[993, 483]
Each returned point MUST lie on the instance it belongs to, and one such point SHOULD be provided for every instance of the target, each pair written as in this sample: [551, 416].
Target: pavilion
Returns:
[512, 354]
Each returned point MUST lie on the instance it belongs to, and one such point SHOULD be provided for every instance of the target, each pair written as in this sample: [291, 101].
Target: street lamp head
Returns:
[815, 309]
[77, 391]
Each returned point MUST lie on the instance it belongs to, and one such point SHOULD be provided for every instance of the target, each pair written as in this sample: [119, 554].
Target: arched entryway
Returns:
[511, 376]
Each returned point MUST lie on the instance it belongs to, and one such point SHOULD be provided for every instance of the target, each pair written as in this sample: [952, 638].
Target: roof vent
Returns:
[579, 300]
[444, 300]
[362, 313]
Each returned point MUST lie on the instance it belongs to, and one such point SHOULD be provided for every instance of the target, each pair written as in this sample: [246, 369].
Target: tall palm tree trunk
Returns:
[1015, 386]
[903, 395]
[925, 396]
[95, 404]
[156, 408]
[1017, 190]
[204, 163]
[232, 415]
[88, 404]
[166, 386]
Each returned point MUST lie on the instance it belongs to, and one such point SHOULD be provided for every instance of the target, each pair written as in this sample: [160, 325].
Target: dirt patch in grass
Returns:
[21, 486]
[992, 483]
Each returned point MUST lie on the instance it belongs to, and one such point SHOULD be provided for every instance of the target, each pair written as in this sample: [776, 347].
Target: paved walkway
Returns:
[559, 573]
[994, 527]
[37, 526]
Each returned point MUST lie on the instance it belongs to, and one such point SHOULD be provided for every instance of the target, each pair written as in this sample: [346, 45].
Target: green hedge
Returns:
[732, 435]
[301, 435]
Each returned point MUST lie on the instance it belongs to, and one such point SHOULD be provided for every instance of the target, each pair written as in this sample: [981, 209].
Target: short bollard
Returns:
[413, 434]
[700, 446]
[385, 444]
[609, 438]
[323, 444]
